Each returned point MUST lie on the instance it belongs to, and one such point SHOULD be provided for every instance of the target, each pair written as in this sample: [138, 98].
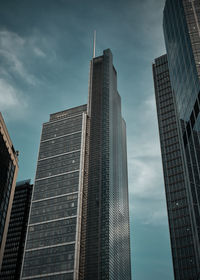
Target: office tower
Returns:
[79, 221]
[107, 249]
[8, 174]
[175, 174]
[13, 253]
[177, 88]
[54, 226]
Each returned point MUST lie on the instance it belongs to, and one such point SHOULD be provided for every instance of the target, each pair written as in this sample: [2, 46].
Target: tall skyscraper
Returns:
[8, 175]
[177, 88]
[13, 253]
[175, 174]
[79, 222]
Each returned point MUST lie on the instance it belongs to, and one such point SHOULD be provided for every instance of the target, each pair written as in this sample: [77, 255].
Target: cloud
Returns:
[158, 216]
[148, 211]
[8, 38]
[147, 173]
[8, 96]
[12, 102]
[145, 169]
[15, 54]
[14, 73]
[146, 17]
[14, 65]
[39, 52]
[144, 147]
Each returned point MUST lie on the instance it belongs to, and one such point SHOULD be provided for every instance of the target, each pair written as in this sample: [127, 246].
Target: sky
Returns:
[45, 49]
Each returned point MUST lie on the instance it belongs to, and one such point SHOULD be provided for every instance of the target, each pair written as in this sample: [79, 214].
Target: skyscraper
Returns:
[13, 253]
[8, 175]
[175, 174]
[79, 221]
[177, 88]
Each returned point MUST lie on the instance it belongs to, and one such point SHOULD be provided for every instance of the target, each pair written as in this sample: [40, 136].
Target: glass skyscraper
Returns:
[8, 175]
[13, 253]
[177, 88]
[79, 221]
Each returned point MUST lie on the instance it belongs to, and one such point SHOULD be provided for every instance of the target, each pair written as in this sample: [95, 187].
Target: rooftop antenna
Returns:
[94, 44]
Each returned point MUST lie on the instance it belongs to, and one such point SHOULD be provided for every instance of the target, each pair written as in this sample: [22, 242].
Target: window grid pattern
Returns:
[50, 244]
[180, 220]
[182, 37]
[107, 253]
[14, 248]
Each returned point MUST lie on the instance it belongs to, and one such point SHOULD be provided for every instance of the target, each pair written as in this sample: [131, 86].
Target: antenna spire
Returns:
[94, 44]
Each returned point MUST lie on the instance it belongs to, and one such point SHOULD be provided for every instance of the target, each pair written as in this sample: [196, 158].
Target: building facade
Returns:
[79, 221]
[177, 88]
[13, 253]
[54, 227]
[107, 248]
[8, 175]
[175, 175]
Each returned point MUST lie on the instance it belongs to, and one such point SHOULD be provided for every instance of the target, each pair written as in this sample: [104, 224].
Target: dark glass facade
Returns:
[13, 253]
[107, 234]
[8, 175]
[181, 25]
[79, 221]
[107, 249]
[181, 30]
[175, 175]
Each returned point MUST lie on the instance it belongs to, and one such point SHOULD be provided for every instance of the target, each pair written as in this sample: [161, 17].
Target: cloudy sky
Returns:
[45, 48]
